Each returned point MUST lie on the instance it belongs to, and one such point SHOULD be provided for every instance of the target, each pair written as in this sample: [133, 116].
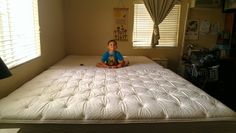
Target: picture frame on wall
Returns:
[120, 24]
[192, 29]
[229, 6]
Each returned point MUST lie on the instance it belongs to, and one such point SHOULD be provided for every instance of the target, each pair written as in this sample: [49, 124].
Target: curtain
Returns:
[158, 10]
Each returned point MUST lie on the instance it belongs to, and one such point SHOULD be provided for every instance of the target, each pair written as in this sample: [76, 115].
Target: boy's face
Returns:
[112, 46]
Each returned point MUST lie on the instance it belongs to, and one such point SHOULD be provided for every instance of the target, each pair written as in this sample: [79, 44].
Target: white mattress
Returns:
[74, 90]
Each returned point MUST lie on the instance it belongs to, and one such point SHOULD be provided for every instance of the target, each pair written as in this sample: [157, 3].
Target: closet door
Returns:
[233, 37]
[230, 26]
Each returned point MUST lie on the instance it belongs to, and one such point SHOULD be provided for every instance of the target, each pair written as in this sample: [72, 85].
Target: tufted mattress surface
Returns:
[75, 90]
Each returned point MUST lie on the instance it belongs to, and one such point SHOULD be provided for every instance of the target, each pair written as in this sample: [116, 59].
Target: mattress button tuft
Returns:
[121, 99]
[140, 105]
[86, 99]
[123, 115]
[104, 105]
[65, 106]
[51, 99]
[40, 116]
[82, 116]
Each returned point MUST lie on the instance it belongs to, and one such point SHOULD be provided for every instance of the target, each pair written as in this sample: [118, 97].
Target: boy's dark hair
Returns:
[112, 41]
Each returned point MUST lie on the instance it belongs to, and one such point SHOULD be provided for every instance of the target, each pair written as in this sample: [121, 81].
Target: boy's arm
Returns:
[103, 59]
[121, 61]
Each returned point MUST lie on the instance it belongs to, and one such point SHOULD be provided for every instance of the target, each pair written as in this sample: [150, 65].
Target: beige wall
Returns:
[88, 27]
[52, 46]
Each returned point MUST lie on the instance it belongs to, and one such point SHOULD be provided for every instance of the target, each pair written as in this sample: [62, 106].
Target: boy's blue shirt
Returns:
[112, 58]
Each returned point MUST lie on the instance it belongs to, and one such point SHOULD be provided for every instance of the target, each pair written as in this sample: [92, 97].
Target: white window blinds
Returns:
[19, 31]
[143, 27]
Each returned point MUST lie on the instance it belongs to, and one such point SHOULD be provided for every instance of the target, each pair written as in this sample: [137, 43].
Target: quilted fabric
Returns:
[141, 91]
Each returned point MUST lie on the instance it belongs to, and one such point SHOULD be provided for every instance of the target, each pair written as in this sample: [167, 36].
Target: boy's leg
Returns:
[100, 64]
[126, 63]
[123, 64]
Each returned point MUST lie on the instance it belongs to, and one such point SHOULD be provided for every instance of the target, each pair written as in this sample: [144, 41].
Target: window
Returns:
[19, 31]
[143, 27]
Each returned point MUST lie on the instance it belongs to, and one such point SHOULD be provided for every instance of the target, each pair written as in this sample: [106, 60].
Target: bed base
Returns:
[172, 127]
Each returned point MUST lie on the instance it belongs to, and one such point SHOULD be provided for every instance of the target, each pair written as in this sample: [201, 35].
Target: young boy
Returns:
[112, 58]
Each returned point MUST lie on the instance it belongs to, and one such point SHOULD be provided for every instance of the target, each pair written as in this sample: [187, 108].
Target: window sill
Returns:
[157, 47]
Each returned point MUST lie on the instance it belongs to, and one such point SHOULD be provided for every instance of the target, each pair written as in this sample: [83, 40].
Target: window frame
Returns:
[16, 44]
[149, 46]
